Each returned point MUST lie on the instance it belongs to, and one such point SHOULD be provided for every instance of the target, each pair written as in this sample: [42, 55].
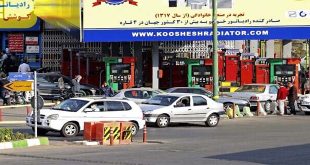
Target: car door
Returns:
[200, 107]
[183, 110]
[97, 113]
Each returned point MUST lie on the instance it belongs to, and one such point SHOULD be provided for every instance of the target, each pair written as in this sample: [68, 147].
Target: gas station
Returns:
[171, 21]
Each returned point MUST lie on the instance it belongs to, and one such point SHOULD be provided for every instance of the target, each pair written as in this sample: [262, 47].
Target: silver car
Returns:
[226, 100]
[137, 95]
[169, 108]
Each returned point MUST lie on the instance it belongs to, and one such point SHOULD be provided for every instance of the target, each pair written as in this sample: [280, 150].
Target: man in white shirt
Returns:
[24, 67]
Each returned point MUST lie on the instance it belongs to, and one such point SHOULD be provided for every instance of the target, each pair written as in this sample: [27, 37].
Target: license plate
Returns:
[305, 103]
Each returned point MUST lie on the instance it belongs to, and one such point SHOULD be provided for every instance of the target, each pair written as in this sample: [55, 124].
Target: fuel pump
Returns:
[200, 73]
[232, 68]
[120, 72]
[296, 62]
[284, 70]
[246, 69]
[261, 71]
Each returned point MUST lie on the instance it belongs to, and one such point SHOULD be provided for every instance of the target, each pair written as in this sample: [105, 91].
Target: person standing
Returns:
[24, 67]
[281, 97]
[76, 84]
[107, 90]
[292, 97]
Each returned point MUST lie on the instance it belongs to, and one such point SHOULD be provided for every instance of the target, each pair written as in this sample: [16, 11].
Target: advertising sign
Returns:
[62, 14]
[33, 49]
[17, 14]
[16, 42]
[164, 20]
[31, 40]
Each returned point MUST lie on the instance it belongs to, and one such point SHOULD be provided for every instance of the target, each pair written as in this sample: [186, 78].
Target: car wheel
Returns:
[307, 113]
[228, 105]
[41, 132]
[162, 121]
[134, 129]
[212, 120]
[69, 130]
[268, 106]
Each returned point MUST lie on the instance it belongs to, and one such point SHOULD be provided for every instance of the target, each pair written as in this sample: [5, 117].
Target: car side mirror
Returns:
[88, 110]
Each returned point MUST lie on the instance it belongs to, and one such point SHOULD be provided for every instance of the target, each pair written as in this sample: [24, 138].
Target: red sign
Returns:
[16, 42]
[32, 40]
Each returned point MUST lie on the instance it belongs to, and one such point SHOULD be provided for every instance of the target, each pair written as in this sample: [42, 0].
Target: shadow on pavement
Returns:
[290, 155]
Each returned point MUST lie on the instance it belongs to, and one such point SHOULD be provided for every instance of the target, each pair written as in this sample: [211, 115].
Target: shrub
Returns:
[7, 135]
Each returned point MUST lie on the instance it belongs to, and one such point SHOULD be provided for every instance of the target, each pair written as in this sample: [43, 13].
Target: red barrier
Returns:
[144, 134]
[89, 131]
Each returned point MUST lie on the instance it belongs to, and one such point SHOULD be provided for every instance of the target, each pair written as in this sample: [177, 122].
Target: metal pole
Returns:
[215, 54]
[35, 106]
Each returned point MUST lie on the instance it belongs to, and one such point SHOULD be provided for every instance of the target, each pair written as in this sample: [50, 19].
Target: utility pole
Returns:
[215, 53]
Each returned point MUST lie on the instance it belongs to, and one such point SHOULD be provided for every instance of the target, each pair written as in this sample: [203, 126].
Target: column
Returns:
[270, 49]
[139, 63]
[287, 48]
[155, 65]
[253, 46]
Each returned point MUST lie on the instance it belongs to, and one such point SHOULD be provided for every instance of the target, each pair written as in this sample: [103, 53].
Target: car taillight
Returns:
[254, 98]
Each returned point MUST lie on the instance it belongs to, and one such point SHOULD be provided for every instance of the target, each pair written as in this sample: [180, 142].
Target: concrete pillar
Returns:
[155, 65]
[139, 63]
[270, 49]
[253, 46]
[287, 48]
[238, 44]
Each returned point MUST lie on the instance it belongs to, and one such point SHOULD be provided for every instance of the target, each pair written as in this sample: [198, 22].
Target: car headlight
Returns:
[53, 117]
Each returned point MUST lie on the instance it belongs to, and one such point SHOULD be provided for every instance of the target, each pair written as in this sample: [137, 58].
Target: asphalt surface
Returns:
[269, 140]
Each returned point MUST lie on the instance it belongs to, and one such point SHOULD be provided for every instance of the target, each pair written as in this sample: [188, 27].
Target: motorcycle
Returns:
[17, 98]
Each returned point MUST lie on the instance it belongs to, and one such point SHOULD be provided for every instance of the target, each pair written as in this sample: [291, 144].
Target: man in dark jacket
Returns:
[292, 97]
[107, 90]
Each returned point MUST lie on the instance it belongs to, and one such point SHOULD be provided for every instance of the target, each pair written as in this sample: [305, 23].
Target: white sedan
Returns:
[181, 107]
[69, 116]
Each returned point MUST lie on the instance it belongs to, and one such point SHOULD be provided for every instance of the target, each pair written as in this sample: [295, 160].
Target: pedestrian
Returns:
[307, 87]
[4, 93]
[107, 90]
[24, 67]
[281, 97]
[76, 84]
[292, 97]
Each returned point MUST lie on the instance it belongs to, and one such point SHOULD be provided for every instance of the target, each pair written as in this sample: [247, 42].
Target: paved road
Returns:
[263, 140]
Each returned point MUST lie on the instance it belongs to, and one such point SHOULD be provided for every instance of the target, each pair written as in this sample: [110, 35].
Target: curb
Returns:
[24, 143]
[12, 122]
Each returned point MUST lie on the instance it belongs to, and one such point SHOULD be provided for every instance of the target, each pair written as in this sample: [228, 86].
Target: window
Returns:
[184, 102]
[273, 90]
[97, 106]
[197, 91]
[147, 94]
[42, 79]
[126, 106]
[198, 101]
[114, 106]
[134, 94]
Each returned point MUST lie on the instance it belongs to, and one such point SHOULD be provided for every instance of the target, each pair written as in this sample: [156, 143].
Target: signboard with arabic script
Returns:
[17, 14]
[164, 20]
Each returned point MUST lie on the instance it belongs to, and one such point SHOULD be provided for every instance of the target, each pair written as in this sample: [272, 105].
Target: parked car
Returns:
[304, 103]
[138, 95]
[69, 116]
[227, 101]
[48, 86]
[164, 109]
[264, 93]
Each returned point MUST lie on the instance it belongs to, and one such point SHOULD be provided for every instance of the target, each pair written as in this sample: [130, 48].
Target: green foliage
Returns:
[7, 135]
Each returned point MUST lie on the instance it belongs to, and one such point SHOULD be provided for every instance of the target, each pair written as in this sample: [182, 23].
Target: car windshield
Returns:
[161, 100]
[71, 105]
[252, 88]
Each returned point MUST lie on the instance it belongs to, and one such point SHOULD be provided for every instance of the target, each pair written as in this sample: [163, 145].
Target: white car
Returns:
[264, 93]
[69, 116]
[138, 95]
[181, 107]
[304, 103]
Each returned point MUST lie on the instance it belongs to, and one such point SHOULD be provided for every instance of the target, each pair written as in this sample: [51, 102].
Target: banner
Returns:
[17, 14]
[164, 20]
